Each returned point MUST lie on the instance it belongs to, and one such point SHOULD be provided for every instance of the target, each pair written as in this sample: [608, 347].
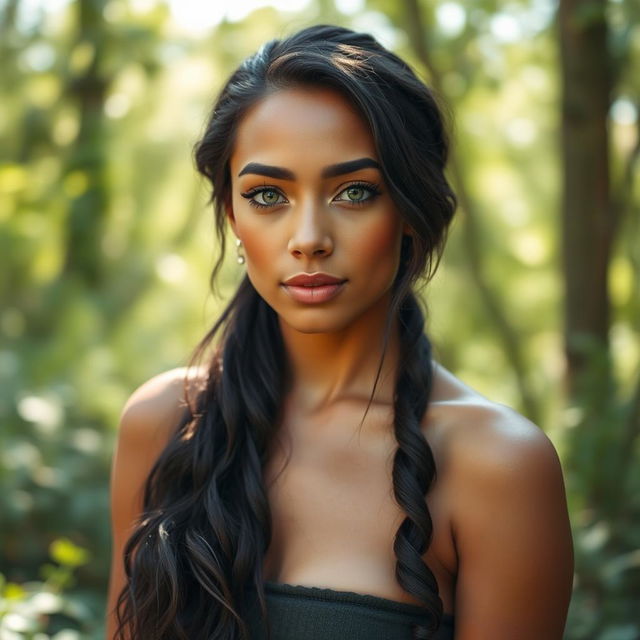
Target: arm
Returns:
[512, 535]
[146, 424]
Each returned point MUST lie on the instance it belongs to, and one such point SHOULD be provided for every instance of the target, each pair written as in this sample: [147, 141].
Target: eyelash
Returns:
[254, 192]
[374, 190]
[369, 186]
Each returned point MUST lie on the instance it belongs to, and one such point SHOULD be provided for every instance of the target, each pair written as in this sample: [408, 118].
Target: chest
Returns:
[329, 505]
[335, 518]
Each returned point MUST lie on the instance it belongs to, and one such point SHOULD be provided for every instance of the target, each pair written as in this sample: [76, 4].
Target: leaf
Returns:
[13, 591]
[67, 553]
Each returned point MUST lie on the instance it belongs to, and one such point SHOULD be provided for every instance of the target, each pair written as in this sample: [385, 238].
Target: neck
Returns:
[327, 368]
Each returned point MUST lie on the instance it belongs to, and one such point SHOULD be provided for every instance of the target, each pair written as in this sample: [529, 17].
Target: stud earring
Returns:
[240, 256]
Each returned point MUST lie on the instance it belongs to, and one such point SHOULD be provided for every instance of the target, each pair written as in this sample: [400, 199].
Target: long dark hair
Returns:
[206, 524]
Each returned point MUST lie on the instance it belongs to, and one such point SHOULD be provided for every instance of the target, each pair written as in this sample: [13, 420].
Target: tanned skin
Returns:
[501, 551]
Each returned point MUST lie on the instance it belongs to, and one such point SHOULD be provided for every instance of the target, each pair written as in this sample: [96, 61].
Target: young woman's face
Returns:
[309, 204]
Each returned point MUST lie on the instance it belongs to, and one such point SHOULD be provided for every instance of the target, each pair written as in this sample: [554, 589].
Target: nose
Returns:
[310, 236]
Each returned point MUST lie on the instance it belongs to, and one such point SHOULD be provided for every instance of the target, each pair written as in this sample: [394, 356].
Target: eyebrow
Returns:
[280, 173]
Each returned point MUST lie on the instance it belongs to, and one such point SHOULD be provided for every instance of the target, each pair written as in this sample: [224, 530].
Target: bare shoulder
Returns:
[148, 419]
[487, 451]
[481, 439]
[156, 406]
[499, 443]
[508, 516]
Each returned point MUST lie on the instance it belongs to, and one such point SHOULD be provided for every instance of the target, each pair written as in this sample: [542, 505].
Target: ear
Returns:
[228, 207]
[406, 229]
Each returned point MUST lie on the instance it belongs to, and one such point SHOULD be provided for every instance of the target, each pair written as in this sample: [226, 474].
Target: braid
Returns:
[414, 468]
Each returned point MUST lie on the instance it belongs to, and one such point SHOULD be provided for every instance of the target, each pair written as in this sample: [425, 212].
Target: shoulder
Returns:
[498, 445]
[484, 441]
[147, 422]
[508, 516]
[156, 406]
[148, 419]
[500, 472]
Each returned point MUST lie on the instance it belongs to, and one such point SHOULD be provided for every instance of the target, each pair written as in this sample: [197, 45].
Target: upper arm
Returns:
[146, 424]
[513, 537]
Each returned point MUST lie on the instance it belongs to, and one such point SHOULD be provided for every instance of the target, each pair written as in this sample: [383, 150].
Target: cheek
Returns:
[263, 250]
[257, 241]
[379, 246]
[258, 247]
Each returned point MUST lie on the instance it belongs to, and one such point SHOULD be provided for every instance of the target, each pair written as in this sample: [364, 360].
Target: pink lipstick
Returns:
[313, 288]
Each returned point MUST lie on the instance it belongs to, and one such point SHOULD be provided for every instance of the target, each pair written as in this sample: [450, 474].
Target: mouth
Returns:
[313, 288]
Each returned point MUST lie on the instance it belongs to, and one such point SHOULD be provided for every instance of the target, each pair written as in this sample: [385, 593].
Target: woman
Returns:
[242, 500]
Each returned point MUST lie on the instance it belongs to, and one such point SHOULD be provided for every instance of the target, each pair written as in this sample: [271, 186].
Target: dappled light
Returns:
[107, 241]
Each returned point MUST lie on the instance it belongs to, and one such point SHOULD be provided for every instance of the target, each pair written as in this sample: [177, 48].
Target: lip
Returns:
[313, 288]
[312, 280]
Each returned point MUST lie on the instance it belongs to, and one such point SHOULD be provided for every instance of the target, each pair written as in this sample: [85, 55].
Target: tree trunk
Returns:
[587, 215]
[88, 208]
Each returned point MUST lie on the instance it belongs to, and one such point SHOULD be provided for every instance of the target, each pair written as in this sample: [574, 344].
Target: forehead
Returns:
[302, 127]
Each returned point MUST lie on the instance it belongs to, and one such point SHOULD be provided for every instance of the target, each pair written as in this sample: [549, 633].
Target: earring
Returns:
[240, 257]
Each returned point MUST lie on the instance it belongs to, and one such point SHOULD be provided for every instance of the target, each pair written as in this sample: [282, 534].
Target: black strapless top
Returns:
[314, 613]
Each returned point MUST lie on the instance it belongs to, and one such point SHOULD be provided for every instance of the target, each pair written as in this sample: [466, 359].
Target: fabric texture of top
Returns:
[299, 612]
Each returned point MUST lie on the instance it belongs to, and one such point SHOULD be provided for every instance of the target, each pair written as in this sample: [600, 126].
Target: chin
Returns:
[330, 323]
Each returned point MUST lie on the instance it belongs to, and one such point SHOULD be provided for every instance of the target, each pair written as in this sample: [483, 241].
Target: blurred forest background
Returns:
[106, 244]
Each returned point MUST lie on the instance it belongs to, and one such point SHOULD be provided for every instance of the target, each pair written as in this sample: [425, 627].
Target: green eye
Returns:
[355, 193]
[268, 197]
[264, 197]
[358, 193]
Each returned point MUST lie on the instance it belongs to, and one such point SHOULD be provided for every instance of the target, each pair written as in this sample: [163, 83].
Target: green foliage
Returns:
[43, 610]
[603, 483]
[106, 245]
